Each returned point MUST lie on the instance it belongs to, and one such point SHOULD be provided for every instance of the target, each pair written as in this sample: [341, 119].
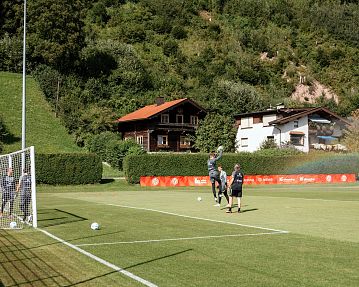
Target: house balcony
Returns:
[177, 126]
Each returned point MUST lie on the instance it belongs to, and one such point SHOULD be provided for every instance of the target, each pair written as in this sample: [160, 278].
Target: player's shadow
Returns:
[131, 266]
[52, 217]
[248, 210]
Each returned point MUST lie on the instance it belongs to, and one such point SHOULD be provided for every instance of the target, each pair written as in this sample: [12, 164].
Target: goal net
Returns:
[18, 189]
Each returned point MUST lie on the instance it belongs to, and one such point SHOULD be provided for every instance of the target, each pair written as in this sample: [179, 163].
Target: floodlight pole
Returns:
[23, 129]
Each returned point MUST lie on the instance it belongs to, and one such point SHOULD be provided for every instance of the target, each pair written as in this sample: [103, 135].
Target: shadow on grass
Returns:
[52, 217]
[247, 210]
[10, 139]
[68, 240]
[128, 267]
[23, 266]
[106, 180]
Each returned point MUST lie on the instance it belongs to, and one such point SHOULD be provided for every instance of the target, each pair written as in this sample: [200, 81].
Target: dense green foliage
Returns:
[195, 164]
[68, 168]
[111, 149]
[252, 164]
[107, 58]
[213, 131]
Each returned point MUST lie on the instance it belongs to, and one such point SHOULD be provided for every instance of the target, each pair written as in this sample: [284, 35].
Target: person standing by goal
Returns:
[8, 191]
[213, 173]
[25, 195]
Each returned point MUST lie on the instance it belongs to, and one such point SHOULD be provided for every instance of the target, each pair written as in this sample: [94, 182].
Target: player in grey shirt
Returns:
[213, 172]
[8, 191]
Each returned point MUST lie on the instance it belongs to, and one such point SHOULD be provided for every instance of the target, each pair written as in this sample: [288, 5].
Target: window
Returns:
[128, 138]
[162, 140]
[179, 119]
[165, 118]
[139, 140]
[247, 122]
[297, 139]
[296, 124]
[194, 120]
[184, 142]
[244, 142]
[267, 119]
[270, 138]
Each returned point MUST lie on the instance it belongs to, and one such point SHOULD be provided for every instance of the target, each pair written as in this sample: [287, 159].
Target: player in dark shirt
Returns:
[213, 173]
[236, 184]
[8, 191]
[25, 187]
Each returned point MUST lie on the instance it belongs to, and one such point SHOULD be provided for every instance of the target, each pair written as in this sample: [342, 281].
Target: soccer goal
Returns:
[18, 189]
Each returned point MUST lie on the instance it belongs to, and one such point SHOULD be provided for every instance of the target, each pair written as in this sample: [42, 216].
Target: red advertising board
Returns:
[248, 179]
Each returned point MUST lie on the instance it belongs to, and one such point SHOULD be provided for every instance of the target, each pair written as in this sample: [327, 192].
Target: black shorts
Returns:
[236, 192]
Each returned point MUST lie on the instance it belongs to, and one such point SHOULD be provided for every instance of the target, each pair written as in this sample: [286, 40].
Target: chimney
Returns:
[159, 101]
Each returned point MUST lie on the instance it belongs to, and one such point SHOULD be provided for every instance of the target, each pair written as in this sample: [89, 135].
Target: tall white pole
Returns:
[23, 130]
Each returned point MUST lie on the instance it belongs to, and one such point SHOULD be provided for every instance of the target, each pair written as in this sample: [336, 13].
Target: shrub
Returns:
[111, 149]
[48, 79]
[195, 164]
[268, 144]
[98, 143]
[68, 168]
[178, 32]
[278, 151]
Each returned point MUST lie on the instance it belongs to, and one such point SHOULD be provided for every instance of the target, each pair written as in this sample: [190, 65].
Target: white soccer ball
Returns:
[95, 226]
[13, 224]
[199, 198]
[220, 148]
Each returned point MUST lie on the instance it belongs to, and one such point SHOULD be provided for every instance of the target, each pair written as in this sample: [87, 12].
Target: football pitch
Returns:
[286, 236]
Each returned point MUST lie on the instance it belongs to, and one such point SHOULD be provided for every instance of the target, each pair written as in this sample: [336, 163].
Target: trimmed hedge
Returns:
[252, 164]
[73, 168]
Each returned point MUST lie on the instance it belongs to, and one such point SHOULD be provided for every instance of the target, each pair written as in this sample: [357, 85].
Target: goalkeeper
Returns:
[213, 173]
[8, 191]
[25, 186]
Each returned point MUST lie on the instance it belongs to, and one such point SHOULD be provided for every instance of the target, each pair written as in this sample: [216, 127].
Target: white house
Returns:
[303, 128]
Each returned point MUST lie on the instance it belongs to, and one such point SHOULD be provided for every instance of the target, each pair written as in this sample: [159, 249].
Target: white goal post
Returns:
[18, 189]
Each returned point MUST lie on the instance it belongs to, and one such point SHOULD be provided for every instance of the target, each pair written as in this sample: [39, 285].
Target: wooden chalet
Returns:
[163, 126]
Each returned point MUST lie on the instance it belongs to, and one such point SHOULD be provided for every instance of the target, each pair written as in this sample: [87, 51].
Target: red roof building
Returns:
[163, 126]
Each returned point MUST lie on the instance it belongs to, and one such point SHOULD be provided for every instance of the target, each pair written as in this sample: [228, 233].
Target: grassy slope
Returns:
[44, 131]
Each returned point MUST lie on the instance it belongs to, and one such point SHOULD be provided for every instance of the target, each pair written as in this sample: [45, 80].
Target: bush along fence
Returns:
[252, 164]
[70, 168]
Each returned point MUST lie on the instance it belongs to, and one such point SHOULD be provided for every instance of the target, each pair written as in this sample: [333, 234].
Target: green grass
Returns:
[321, 248]
[109, 172]
[43, 130]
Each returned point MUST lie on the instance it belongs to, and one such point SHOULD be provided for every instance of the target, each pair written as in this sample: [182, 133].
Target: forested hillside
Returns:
[98, 60]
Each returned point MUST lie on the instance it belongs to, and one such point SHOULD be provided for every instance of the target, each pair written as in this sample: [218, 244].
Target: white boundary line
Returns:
[199, 218]
[100, 260]
[178, 239]
[303, 198]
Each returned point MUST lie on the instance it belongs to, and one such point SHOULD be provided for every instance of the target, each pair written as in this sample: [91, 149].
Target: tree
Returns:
[268, 144]
[351, 134]
[56, 32]
[215, 130]
[233, 98]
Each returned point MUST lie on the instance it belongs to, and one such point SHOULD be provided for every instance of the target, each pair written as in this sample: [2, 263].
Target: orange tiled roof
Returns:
[149, 111]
